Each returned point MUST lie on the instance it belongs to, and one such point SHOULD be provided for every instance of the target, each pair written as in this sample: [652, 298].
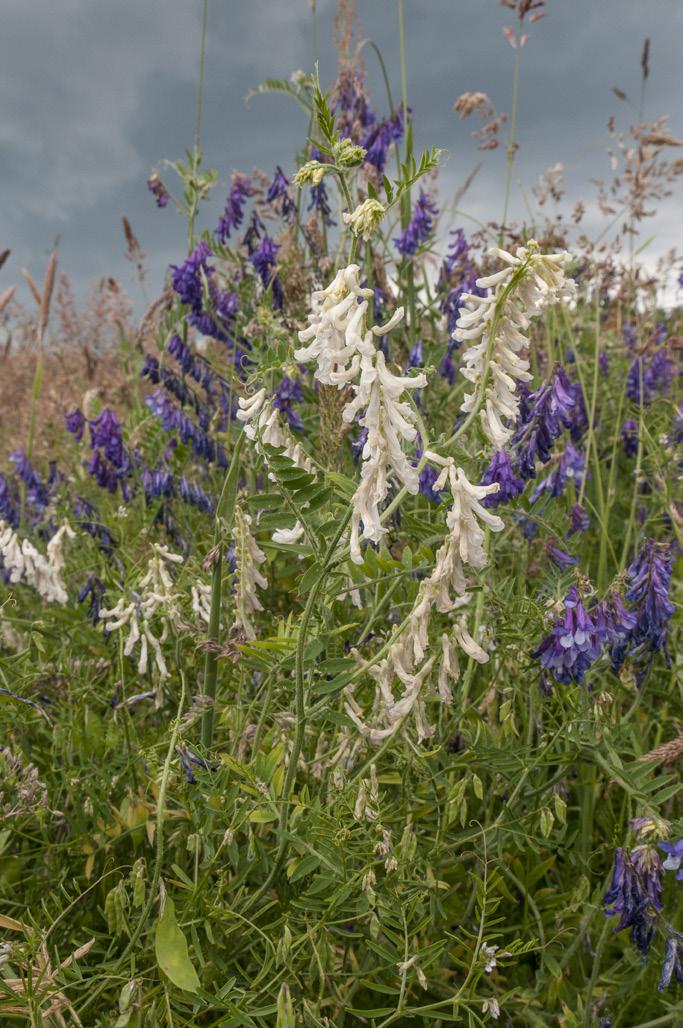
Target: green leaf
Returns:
[170, 946]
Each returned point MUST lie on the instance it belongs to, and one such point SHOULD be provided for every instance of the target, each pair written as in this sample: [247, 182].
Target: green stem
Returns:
[198, 123]
[511, 142]
[224, 517]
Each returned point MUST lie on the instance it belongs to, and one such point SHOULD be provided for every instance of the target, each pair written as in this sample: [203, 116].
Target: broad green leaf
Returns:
[170, 946]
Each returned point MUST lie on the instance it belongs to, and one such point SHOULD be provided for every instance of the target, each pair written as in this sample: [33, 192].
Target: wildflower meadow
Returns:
[339, 678]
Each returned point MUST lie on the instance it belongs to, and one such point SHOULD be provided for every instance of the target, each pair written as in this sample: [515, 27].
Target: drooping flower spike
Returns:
[495, 325]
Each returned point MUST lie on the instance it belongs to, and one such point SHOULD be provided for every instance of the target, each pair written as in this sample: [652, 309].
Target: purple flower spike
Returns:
[634, 894]
[233, 215]
[500, 471]
[648, 593]
[75, 423]
[574, 643]
[158, 189]
[629, 437]
[278, 195]
[285, 396]
[419, 228]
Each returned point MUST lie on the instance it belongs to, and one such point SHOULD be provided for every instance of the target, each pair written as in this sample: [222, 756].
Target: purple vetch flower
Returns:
[603, 363]
[190, 279]
[157, 482]
[285, 396]
[350, 103]
[634, 894]
[172, 419]
[9, 502]
[36, 492]
[158, 189]
[544, 413]
[233, 215]
[427, 477]
[255, 230]
[105, 432]
[75, 423]
[187, 277]
[278, 195]
[579, 419]
[264, 261]
[150, 368]
[644, 383]
[191, 760]
[419, 228]
[447, 368]
[500, 470]
[559, 558]
[89, 521]
[648, 592]
[571, 464]
[616, 619]
[357, 445]
[93, 591]
[573, 644]
[579, 521]
[380, 137]
[189, 364]
[319, 201]
[674, 857]
[528, 527]
[192, 493]
[457, 255]
[672, 963]
[629, 334]
[416, 356]
[629, 437]
[659, 375]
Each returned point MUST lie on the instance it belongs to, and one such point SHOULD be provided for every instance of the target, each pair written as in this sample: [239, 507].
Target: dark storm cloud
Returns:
[95, 94]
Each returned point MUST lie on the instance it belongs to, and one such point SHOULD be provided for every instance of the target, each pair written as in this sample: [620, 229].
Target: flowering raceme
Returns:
[24, 563]
[444, 591]
[345, 351]
[498, 322]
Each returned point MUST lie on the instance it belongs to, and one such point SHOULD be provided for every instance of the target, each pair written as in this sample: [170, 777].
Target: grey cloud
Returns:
[95, 94]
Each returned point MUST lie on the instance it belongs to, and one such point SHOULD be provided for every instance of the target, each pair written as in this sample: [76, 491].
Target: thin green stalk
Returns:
[224, 517]
[511, 149]
[198, 123]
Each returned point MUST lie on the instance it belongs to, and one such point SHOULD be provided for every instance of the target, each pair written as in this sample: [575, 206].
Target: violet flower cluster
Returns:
[574, 643]
[190, 279]
[109, 464]
[419, 228]
[233, 215]
[649, 578]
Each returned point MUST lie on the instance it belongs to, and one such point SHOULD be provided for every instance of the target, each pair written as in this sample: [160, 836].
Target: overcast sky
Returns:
[95, 93]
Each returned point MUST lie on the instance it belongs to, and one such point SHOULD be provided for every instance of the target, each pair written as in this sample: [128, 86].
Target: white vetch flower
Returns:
[201, 601]
[248, 557]
[263, 424]
[333, 332]
[155, 602]
[25, 563]
[288, 536]
[445, 591]
[366, 218]
[488, 953]
[346, 353]
[496, 326]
